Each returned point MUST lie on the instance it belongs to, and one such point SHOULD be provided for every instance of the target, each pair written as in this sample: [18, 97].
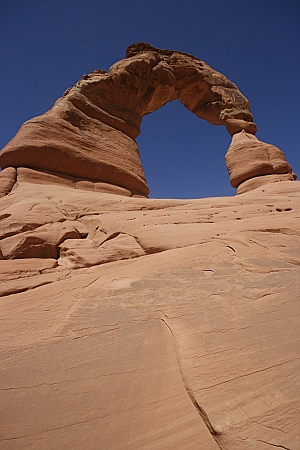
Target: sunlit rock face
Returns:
[131, 323]
[252, 163]
[90, 132]
[142, 323]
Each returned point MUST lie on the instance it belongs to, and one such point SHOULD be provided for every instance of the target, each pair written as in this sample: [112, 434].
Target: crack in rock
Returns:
[274, 445]
[201, 412]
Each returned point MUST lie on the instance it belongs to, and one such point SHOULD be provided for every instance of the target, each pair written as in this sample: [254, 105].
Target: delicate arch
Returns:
[90, 132]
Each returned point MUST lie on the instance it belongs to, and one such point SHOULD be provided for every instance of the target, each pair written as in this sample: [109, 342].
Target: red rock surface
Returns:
[90, 132]
[249, 161]
[149, 323]
[135, 323]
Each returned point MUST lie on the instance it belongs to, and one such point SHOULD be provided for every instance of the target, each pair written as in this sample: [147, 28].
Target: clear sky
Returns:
[47, 45]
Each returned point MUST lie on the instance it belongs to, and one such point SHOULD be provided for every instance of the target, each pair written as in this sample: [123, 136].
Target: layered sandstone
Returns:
[90, 132]
[130, 323]
[252, 163]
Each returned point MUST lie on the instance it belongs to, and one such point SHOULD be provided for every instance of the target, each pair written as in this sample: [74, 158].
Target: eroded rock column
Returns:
[252, 163]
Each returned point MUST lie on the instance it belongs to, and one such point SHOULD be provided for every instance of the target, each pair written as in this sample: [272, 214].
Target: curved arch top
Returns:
[172, 75]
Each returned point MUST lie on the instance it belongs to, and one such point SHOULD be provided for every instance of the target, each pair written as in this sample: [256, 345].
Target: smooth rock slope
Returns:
[160, 324]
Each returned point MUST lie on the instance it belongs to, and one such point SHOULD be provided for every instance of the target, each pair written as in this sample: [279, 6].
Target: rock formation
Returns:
[252, 163]
[130, 323]
[89, 134]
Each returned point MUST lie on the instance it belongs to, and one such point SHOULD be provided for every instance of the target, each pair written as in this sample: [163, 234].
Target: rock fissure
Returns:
[249, 374]
[67, 381]
[51, 429]
[204, 417]
[15, 290]
[274, 445]
[273, 428]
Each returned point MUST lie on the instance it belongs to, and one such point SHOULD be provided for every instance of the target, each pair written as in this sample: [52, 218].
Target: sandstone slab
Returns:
[193, 343]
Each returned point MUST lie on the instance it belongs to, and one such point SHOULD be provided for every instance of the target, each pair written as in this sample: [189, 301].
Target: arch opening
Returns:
[182, 156]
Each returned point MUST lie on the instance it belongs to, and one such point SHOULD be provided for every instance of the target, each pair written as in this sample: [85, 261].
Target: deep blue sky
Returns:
[47, 45]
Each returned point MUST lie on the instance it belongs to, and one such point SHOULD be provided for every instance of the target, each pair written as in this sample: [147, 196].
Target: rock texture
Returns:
[130, 323]
[252, 163]
[134, 323]
[89, 134]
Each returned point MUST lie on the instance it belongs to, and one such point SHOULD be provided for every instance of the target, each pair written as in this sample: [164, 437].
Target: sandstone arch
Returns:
[90, 132]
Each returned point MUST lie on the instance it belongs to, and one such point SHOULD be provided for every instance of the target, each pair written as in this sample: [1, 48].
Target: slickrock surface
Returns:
[131, 323]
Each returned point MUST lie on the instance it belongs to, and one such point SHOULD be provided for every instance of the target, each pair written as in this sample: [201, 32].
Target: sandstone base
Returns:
[161, 324]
